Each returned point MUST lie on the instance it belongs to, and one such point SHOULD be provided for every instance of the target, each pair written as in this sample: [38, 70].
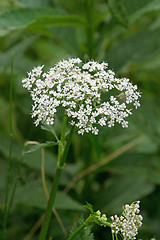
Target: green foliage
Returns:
[34, 196]
[121, 190]
[126, 35]
[85, 234]
[118, 11]
[50, 129]
[40, 146]
[89, 207]
[129, 51]
[35, 17]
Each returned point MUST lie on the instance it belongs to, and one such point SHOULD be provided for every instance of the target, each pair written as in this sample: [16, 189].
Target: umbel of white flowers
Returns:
[89, 93]
[129, 221]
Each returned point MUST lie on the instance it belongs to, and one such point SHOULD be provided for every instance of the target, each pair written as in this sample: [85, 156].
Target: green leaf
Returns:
[143, 165]
[89, 207]
[134, 5]
[66, 202]
[68, 36]
[50, 129]
[134, 49]
[37, 3]
[70, 20]
[153, 5]
[127, 12]
[148, 121]
[85, 234]
[121, 190]
[32, 160]
[34, 196]
[23, 17]
[156, 24]
[40, 146]
[118, 11]
[4, 148]
[151, 64]
[18, 50]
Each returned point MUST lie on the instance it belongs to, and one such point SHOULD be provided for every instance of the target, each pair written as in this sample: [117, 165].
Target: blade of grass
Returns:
[15, 181]
[5, 218]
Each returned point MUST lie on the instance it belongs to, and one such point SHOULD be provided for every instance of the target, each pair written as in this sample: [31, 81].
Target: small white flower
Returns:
[78, 89]
[129, 221]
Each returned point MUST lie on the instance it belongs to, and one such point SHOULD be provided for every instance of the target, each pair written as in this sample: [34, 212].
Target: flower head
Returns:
[101, 219]
[129, 221]
[89, 93]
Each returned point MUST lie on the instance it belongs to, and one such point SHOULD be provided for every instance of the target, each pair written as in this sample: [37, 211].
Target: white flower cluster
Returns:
[129, 221]
[79, 89]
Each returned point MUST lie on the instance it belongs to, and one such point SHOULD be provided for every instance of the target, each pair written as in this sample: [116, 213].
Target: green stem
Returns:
[62, 154]
[61, 142]
[65, 153]
[51, 201]
[88, 222]
[90, 28]
[112, 236]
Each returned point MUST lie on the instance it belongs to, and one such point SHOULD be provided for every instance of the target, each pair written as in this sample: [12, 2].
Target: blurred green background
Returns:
[125, 162]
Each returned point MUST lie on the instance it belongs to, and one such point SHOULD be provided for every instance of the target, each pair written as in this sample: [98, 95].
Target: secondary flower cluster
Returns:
[129, 221]
[89, 93]
[102, 219]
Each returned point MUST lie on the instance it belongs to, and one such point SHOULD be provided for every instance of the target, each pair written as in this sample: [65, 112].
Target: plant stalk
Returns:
[88, 222]
[50, 205]
[62, 154]
[90, 28]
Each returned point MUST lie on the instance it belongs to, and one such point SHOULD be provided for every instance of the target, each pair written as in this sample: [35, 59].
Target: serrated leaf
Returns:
[85, 234]
[89, 207]
[40, 146]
